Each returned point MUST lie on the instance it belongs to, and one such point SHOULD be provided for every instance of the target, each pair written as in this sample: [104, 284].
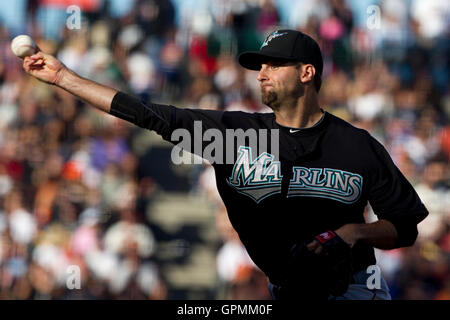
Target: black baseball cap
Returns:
[284, 45]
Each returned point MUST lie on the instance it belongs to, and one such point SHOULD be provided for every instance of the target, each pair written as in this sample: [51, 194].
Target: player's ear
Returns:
[307, 72]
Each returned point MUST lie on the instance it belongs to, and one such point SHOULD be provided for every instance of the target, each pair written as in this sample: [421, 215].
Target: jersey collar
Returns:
[317, 127]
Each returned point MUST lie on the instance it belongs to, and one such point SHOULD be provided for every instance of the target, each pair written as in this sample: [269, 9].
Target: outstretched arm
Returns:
[50, 70]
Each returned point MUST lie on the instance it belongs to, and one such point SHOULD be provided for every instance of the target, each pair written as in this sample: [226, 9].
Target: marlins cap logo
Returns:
[272, 36]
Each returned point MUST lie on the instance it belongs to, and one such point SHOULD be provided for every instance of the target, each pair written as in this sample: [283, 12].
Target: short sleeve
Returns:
[392, 197]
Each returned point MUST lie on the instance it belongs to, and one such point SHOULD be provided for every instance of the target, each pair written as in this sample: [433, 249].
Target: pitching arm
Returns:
[163, 119]
[50, 70]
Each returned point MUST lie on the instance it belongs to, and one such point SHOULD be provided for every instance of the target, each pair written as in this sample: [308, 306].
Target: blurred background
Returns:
[79, 187]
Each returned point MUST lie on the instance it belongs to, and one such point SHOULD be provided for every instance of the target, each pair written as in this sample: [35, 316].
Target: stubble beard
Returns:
[270, 99]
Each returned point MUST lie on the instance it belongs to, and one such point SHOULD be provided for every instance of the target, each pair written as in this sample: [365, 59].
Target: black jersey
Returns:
[323, 178]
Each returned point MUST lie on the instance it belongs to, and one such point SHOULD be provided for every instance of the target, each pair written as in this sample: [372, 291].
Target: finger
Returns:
[37, 56]
[318, 250]
[26, 64]
[26, 67]
[312, 245]
[38, 62]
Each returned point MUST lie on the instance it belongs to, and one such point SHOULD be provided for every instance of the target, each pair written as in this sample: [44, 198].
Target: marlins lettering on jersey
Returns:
[335, 184]
[257, 178]
[261, 177]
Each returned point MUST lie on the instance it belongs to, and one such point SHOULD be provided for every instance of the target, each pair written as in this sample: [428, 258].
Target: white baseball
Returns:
[23, 46]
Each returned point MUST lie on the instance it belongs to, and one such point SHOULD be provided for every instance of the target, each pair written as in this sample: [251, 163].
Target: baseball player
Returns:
[299, 215]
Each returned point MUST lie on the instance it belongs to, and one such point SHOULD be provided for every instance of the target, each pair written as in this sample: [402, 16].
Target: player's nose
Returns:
[262, 74]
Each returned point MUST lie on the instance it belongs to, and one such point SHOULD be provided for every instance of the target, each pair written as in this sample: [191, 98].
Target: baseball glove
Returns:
[324, 274]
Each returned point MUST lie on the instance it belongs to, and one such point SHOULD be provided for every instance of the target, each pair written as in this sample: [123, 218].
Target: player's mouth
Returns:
[266, 86]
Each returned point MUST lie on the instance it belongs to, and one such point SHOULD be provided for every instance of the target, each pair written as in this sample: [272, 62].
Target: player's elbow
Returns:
[409, 240]
[406, 233]
[406, 227]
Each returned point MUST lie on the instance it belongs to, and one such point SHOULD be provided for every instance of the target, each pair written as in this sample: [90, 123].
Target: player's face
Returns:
[279, 83]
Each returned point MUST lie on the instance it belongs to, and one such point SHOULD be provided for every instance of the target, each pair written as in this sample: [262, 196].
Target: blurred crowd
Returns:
[76, 184]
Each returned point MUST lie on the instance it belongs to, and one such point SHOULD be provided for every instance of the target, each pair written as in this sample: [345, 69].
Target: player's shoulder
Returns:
[359, 137]
[346, 128]
[251, 115]
[249, 119]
